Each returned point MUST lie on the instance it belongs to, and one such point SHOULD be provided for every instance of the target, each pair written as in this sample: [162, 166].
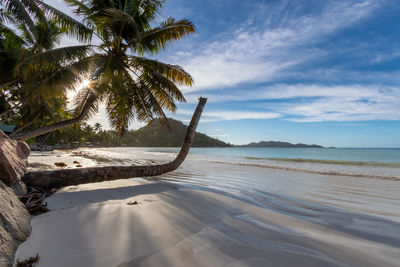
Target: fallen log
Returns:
[66, 177]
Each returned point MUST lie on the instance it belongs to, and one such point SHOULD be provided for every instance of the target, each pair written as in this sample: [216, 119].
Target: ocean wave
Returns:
[330, 172]
[334, 162]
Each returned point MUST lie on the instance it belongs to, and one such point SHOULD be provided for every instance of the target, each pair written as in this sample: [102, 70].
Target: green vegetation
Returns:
[36, 73]
[155, 134]
[336, 162]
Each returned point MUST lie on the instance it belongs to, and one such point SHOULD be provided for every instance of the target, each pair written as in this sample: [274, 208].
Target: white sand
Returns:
[47, 160]
[92, 225]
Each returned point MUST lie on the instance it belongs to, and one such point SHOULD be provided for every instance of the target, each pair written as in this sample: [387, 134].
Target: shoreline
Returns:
[392, 178]
[86, 159]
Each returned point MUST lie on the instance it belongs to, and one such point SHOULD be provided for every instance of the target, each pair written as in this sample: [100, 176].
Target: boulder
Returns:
[13, 159]
[19, 188]
[15, 224]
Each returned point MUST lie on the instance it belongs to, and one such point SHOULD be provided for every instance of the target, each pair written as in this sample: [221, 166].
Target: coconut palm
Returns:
[97, 127]
[67, 177]
[117, 73]
[31, 65]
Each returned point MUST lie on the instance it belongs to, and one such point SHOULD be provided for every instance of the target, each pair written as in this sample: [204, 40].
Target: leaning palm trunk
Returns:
[58, 125]
[60, 178]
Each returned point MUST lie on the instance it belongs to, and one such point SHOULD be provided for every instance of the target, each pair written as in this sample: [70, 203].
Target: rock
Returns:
[15, 224]
[19, 188]
[13, 159]
[60, 164]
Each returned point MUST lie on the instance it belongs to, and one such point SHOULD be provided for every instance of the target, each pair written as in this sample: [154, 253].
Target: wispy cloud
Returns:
[311, 102]
[262, 52]
[339, 109]
[219, 115]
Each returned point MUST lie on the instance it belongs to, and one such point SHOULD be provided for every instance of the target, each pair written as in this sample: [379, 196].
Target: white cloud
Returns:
[260, 54]
[212, 116]
[337, 109]
[312, 102]
[302, 91]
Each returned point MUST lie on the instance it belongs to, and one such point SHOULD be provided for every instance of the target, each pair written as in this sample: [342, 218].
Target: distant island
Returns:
[280, 144]
[157, 134]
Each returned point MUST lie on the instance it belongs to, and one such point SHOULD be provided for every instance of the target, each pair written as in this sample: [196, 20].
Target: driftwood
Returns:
[34, 200]
[66, 177]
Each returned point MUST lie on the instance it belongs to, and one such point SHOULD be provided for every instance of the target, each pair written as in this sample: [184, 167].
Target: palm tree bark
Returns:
[58, 125]
[61, 178]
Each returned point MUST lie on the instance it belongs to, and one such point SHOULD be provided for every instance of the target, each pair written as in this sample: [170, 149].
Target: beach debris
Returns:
[60, 164]
[132, 203]
[28, 262]
[34, 200]
[76, 162]
[78, 166]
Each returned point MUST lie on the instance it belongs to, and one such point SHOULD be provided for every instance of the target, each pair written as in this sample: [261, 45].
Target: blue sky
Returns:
[311, 71]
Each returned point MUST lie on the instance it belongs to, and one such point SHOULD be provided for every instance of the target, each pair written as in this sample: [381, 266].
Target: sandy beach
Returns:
[302, 220]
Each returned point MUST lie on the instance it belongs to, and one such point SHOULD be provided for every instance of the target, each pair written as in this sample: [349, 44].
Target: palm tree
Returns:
[97, 127]
[34, 73]
[131, 85]
[61, 178]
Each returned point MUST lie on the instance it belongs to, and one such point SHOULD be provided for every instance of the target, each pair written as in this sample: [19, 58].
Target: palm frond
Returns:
[27, 35]
[132, 7]
[80, 8]
[6, 17]
[148, 104]
[119, 23]
[84, 105]
[120, 107]
[65, 78]
[19, 13]
[55, 57]
[151, 8]
[173, 72]
[170, 30]
[68, 24]
[9, 35]
[32, 8]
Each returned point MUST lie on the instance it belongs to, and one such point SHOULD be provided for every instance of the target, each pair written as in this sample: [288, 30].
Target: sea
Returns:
[361, 180]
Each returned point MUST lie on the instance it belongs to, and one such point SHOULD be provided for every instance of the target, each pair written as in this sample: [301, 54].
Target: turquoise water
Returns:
[381, 155]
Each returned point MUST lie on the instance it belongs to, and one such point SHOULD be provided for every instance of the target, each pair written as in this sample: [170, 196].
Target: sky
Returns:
[309, 71]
